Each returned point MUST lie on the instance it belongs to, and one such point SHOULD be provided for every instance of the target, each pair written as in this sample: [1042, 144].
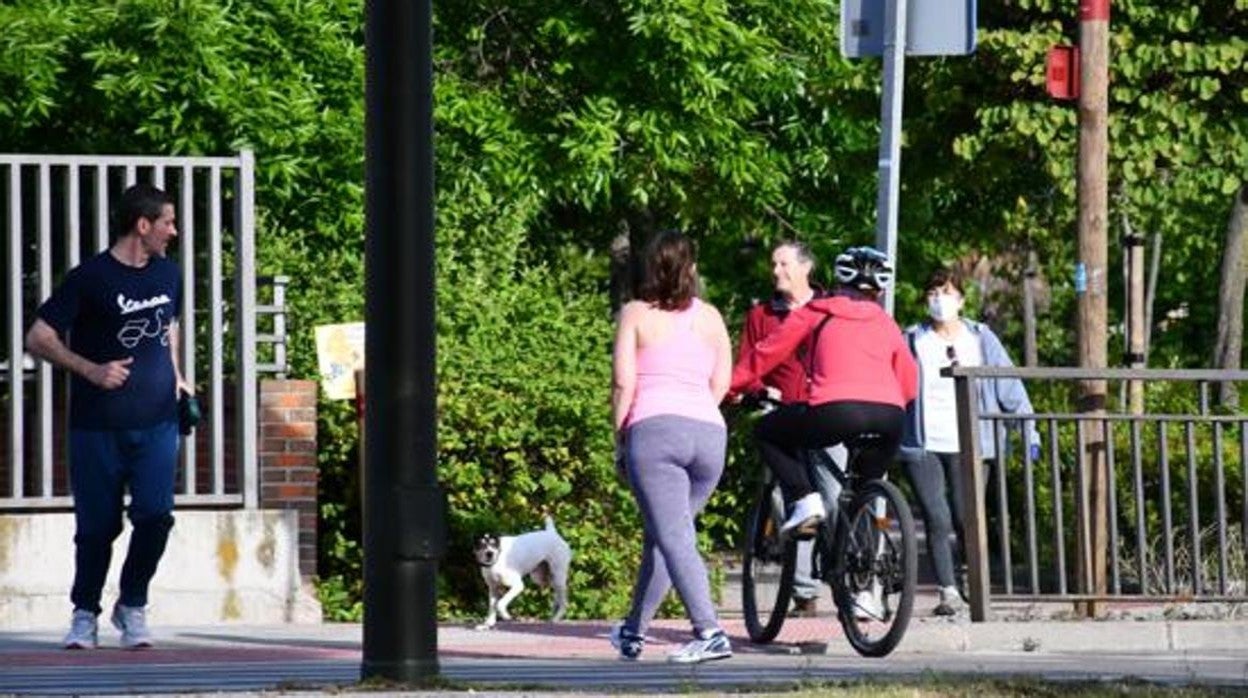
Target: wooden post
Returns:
[1228, 347]
[1150, 296]
[1090, 273]
[1135, 313]
[975, 515]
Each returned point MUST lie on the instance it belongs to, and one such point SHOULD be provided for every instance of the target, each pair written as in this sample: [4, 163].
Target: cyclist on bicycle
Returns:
[862, 376]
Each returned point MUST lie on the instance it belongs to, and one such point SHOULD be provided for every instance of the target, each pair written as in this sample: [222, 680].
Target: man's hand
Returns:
[111, 375]
[183, 387]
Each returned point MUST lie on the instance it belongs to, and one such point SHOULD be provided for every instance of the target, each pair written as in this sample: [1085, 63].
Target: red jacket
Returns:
[858, 356]
[789, 377]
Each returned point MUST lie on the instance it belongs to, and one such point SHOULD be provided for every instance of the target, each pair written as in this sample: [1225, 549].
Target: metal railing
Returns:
[275, 311]
[56, 212]
[1170, 533]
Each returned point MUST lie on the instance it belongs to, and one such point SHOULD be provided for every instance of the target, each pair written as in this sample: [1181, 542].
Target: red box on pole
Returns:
[1061, 75]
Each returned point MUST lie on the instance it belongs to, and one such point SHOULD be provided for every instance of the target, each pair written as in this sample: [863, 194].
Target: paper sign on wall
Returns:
[339, 354]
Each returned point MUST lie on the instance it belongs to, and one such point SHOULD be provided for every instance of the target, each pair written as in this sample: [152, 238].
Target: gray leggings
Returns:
[674, 464]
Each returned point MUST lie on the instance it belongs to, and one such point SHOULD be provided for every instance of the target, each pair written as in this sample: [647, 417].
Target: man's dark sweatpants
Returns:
[103, 464]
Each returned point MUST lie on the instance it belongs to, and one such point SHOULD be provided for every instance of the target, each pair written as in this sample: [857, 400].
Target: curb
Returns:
[1066, 637]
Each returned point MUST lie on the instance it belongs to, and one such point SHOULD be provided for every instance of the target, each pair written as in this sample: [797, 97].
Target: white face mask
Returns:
[944, 307]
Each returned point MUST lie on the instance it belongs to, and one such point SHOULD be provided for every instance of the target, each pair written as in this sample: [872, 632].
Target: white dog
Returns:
[543, 555]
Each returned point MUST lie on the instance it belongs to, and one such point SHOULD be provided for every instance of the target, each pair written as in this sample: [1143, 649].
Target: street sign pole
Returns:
[887, 201]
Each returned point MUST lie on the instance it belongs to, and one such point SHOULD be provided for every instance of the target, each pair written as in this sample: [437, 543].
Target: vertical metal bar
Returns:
[1243, 480]
[1167, 517]
[1003, 506]
[1082, 510]
[131, 176]
[1204, 397]
[73, 217]
[975, 526]
[1193, 501]
[245, 335]
[279, 325]
[1029, 501]
[101, 208]
[1107, 434]
[158, 178]
[1219, 484]
[73, 254]
[45, 397]
[17, 401]
[1141, 529]
[186, 254]
[217, 338]
[889, 194]
[1059, 533]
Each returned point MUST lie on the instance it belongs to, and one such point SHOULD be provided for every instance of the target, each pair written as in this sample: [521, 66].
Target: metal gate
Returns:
[56, 211]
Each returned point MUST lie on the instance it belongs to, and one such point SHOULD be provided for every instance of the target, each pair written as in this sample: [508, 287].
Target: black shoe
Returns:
[629, 643]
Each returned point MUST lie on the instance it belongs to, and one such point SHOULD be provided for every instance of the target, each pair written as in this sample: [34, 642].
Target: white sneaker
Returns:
[132, 622]
[84, 631]
[950, 602]
[807, 511]
[706, 647]
[868, 606]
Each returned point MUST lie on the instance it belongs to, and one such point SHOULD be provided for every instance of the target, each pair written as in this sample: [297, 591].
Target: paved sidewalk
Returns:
[587, 640]
[576, 656]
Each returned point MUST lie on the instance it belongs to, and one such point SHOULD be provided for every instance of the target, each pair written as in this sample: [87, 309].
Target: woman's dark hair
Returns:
[940, 277]
[140, 201]
[668, 280]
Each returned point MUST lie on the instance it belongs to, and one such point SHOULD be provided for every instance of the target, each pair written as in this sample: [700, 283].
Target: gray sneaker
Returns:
[132, 622]
[84, 631]
[708, 646]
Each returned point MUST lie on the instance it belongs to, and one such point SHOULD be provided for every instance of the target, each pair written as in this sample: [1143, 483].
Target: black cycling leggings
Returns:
[791, 429]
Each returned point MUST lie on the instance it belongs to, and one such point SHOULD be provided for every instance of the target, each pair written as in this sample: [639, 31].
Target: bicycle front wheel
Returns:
[768, 562]
[876, 570]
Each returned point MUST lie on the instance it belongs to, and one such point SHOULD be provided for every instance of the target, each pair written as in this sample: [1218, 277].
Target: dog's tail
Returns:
[550, 523]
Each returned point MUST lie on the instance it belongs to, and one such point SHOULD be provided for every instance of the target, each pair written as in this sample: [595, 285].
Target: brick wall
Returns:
[288, 473]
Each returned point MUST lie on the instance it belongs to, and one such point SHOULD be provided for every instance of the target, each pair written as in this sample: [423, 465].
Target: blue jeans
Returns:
[102, 465]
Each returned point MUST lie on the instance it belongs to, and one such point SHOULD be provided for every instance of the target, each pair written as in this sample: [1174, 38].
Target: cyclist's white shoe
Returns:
[950, 602]
[807, 511]
[868, 606]
[84, 631]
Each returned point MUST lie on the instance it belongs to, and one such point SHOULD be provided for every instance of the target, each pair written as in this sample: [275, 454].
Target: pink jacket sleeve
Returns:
[774, 348]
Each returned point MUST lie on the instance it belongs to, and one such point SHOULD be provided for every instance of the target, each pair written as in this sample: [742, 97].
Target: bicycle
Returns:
[866, 546]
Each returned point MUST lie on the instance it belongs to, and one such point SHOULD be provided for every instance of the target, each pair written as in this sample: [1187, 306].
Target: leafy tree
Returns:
[567, 128]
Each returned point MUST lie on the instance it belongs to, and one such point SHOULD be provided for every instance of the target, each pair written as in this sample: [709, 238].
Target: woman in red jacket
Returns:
[861, 375]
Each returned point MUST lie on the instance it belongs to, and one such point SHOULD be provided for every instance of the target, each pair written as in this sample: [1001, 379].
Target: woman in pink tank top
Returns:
[672, 366]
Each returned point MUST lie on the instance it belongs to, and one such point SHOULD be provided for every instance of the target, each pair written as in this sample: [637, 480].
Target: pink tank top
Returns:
[674, 375]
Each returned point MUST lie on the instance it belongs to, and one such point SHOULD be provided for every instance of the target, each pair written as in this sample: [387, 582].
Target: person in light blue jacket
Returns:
[930, 447]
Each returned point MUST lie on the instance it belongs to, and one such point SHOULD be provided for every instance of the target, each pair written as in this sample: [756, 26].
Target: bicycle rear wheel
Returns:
[768, 562]
[876, 570]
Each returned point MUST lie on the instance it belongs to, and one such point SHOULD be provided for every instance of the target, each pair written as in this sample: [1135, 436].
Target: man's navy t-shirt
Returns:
[112, 311]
